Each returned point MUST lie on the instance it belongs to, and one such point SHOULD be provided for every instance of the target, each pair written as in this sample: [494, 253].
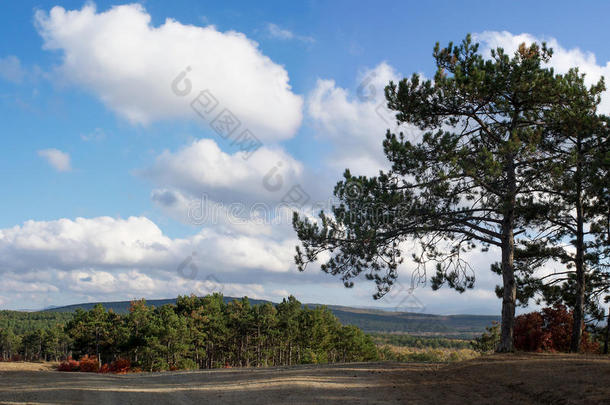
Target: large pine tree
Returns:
[466, 183]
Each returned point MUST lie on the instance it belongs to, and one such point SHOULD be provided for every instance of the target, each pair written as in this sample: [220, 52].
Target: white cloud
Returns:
[201, 168]
[277, 32]
[130, 65]
[126, 258]
[563, 59]
[92, 259]
[111, 245]
[355, 123]
[11, 69]
[59, 160]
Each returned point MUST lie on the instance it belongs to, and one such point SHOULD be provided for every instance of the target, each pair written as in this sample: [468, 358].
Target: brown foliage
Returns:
[89, 364]
[68, 365]
[549, 330]
[119, 366]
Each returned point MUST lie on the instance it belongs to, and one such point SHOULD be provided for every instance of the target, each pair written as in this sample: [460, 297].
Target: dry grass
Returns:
[25, 366]
[428, 355]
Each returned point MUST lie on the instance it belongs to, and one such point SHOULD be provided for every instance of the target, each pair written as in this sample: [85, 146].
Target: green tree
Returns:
[465, 184]
[89, 331]
[288, 312]
[489, 340]
[214, 326]
[569, 204]
[9, 343]
[265, 324]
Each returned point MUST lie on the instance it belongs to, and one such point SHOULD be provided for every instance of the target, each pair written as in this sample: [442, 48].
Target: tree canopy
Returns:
[471, 181]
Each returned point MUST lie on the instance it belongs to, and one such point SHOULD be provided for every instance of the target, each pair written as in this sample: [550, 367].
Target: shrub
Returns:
[120, 366]
[489, 340]
[186, 364]
[104, 369]
[89, 364]
[529, 334]
[549, 330]
[68, 365]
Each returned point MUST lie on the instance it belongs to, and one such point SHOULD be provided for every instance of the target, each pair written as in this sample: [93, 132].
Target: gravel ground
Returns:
[518, 379]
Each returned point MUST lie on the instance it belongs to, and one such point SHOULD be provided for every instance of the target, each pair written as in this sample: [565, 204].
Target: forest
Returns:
[194, 333]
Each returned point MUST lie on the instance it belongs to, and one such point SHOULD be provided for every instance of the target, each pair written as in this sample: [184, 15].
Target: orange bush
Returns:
[104, 369]
[68, 365]
[89, 364]
[119, 366]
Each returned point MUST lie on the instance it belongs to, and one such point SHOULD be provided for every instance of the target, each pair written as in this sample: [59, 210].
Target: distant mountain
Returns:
[369, 320]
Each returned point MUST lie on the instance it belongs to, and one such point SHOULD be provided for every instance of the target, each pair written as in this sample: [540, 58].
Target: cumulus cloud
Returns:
[563, 59]
[59, 160]
[355, 123]
[130, 65]
[103, 258]
[106, 242]
[113, 257]
[202, 168]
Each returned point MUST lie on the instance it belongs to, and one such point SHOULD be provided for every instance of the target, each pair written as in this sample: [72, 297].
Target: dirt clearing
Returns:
[522, 379]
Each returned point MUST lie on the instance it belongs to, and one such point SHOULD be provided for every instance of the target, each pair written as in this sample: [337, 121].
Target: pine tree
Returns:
[465, 184]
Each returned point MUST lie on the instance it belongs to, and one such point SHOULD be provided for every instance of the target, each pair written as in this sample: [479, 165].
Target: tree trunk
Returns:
[579, 302]
[607, 332]
[580, 292]
[509, 298]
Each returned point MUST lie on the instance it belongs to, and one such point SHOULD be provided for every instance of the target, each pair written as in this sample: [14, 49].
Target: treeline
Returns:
[22, 322]
[419, 342]
[197, 333]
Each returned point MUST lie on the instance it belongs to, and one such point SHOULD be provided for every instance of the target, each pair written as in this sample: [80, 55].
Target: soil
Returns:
[496, 379]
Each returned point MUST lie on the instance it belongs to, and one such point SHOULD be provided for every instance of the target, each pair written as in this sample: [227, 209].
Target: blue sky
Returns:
[101, 164]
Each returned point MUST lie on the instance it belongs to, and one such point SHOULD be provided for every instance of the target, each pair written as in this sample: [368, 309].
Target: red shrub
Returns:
[89, 364]
[68, 365]
[104, 369]
[119, 366]
[558, 324]
[549, 330]
[528, 334]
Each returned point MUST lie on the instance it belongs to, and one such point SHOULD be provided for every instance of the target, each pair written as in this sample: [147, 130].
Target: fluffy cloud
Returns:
[84, 243]
[135, 242]
[130, 65]
[355, 123]
[92, 259]
[59, 160]
[126, 258]
[202, 168]
[563, 59]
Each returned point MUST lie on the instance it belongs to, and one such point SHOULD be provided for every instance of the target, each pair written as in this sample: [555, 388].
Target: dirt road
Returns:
[531, 379]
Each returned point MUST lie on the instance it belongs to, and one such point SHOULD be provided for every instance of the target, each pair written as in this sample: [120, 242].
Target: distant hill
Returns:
[369, 320]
